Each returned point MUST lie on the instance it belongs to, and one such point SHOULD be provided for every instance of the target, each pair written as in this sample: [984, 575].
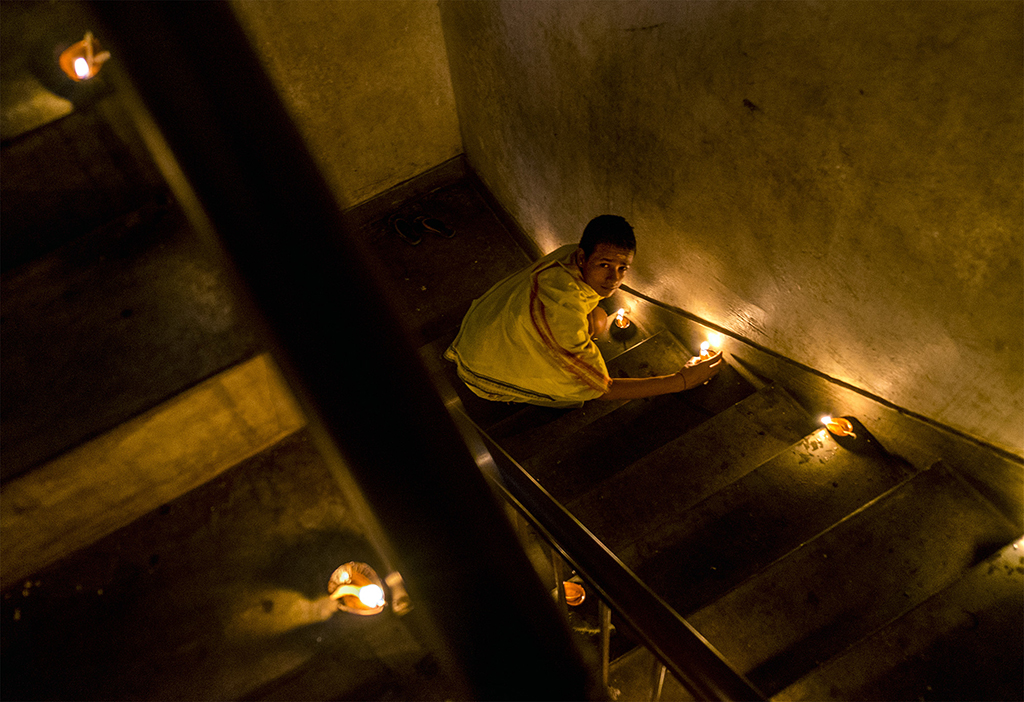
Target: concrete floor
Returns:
[220, 591]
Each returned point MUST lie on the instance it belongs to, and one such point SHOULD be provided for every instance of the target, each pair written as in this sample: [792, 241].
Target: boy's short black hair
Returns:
[607, 229]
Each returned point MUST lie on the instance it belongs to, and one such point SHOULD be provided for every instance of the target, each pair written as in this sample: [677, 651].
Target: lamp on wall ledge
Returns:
[357, 588]
[83, 59]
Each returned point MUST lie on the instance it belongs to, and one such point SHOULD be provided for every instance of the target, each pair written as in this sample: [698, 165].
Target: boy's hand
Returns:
[700, 370]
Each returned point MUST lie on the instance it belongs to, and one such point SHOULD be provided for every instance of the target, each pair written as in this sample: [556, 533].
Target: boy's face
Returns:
[605, 269]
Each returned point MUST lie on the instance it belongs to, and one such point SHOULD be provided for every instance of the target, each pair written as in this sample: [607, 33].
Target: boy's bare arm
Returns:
[597, 322]
[688, 377]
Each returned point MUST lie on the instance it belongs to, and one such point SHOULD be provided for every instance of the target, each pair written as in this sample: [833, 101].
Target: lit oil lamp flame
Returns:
[369, 595]
[620, 319]
[710, 347]
[83, 60]
[839, 426]
[357, 589]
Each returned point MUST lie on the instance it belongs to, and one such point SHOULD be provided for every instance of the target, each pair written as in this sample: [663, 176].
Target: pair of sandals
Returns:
[409, 232]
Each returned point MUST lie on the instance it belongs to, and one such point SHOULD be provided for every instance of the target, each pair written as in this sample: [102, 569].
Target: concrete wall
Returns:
[840, 182]
[366, 82]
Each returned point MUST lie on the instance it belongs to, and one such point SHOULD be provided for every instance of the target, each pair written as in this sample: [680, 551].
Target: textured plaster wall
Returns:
[840, 182]
[367, 83]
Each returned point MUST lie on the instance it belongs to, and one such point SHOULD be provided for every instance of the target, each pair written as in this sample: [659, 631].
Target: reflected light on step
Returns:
[266, 613]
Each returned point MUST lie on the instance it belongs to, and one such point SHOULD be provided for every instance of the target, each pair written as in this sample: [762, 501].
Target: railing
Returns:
[675, 644]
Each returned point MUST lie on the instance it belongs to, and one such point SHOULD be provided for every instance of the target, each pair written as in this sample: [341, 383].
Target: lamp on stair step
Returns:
[838, 426]
[621, 320]
[357, 588]
[621, 328]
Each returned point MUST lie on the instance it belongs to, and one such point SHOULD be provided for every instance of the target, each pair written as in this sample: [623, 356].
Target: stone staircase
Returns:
[820, 567]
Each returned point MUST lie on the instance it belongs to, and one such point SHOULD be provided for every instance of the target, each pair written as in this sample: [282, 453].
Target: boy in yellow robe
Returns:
[530, 337]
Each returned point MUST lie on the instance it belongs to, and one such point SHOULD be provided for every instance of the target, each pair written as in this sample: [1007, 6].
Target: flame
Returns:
[84, 59]
[620, 319]
[839, 426]
[370, 595]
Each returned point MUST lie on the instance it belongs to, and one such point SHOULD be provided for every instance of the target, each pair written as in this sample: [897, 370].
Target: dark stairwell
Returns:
[819, 567]
[881, 567]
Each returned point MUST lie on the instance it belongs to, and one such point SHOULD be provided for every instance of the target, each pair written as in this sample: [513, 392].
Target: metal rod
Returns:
[558, 565]
[604, 613]
[657, 680]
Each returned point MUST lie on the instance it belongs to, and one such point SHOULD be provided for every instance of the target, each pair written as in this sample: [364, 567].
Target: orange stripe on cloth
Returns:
[587, 374]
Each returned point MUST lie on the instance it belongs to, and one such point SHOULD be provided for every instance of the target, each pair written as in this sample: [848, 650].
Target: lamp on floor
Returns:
[357, 588]
[84, 59]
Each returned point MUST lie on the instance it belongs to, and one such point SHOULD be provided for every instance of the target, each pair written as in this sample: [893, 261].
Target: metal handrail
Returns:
[698, 666]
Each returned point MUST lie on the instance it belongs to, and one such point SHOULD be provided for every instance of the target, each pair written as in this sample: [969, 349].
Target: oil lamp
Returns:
[83, 60]
[621, 321]
[574, 593]
[621, 328]
[711, 346]
[357, 588]
[838, 426]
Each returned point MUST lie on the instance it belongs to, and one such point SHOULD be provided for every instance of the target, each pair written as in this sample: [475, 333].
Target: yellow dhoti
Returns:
[527, 338]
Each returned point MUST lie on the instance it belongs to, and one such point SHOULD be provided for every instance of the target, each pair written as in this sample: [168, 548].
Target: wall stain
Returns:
[647, 28]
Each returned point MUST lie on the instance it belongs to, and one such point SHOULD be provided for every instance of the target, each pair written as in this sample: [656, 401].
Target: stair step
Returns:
[577, 463]
[758, 519]
[863, 573]
[529, 432]
[660, 488]
[964, 643]
[570, 464]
